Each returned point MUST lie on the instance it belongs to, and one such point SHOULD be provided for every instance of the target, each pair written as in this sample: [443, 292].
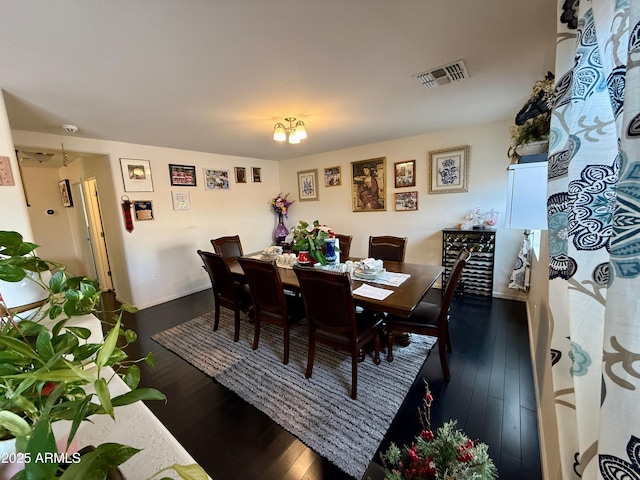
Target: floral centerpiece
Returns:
[311, 238]
[281, 204]
[447, 454]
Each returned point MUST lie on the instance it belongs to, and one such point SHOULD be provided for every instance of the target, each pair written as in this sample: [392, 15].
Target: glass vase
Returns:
[330, 251]
[280, 232]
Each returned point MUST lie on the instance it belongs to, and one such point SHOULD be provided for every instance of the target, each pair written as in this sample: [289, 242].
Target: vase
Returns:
[304, 258]
[330, 251]
[280, 233]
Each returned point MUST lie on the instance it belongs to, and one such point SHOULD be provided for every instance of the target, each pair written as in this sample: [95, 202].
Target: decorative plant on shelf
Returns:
[311, 238]
[46, 363]
[533, 121]
[447, 454]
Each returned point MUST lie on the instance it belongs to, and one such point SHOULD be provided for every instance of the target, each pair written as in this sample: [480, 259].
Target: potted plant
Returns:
[46, 363]
[311, 238]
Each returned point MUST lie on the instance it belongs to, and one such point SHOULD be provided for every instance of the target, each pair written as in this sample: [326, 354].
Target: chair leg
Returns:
[376, 349]
[286, 345]
[216, 317]
[236, 332]
[390, 346]
[449, 349]
[311, 355]
[354, 375]
[256, 334]
[442, 349]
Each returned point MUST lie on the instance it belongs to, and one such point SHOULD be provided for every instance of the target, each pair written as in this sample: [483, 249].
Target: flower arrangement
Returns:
[311, 237]
[447, 454]
[281, 204]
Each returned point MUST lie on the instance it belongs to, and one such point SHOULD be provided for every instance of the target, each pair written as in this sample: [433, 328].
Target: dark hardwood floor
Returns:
[491, 394]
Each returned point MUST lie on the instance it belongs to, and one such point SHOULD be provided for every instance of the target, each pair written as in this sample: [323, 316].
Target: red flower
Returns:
[429, 397]
[48, 388]
[427, 435]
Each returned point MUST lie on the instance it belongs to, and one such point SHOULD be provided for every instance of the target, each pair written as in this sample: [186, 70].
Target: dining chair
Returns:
[429, 318]
[387, 248]
[226, 292]
[270, 304]
[344, 242]
[332, 318]
[229, 247]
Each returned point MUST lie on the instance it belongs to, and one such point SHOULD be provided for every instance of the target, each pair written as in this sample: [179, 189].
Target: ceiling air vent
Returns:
[443, 75]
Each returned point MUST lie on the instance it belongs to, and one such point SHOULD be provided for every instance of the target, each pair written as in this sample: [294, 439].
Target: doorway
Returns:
[95, 231]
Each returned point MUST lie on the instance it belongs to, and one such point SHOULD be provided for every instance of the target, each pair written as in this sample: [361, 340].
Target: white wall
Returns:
[158, 261]
[487, 189]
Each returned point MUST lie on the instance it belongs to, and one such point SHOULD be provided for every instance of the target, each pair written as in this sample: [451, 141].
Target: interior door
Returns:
[96, 233]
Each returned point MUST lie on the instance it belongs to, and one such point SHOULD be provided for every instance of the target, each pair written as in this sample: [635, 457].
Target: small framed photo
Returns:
[406, 201]
[241, 174]
[136, 175]
[405, 173]
[308, 185]
[332, 177]
[65, 193]
[216, 179]
[449, 170]
[143, 210]
[368, 186]
[180, 200]
[182, 175]
[256, 174]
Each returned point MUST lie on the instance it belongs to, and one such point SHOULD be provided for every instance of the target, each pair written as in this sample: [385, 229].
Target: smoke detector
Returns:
[437, 77]
[69, 128]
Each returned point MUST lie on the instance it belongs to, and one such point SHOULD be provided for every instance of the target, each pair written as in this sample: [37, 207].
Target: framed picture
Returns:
[449, 170]
[216, 179]
[308, 185]
[332, 177]
[368, 187]
[136, 175]
[241, 174]
[256, 174]
[405, 173]
[143, 210]
[182, 175]
[406, 201]
[180, 200]
[65, 193]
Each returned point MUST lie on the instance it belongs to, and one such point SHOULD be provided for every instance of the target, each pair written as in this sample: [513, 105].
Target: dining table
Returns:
[405, 297]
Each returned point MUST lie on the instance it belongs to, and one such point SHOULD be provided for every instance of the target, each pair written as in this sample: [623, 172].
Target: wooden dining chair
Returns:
[226, 292]
[387, 248]
[344, 242]
[270, 304]
[229, 247]
[429, 318]
[333, 320]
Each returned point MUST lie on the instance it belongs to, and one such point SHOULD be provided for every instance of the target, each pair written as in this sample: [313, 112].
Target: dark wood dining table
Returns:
[404, 299]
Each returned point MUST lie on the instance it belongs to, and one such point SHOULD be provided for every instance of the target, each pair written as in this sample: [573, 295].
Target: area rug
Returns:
[319, 411]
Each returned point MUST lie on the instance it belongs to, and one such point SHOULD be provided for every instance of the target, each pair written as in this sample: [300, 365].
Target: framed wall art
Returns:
[404, 173]
[180, 200]
[216, 179]
[182, 175]
[308, 185]
[143, 210]
[256, 174]
[65, 193]
[332, 177]
[449, 170]
[136, 175]
[368, 187]
[406, 201]
[241, 174]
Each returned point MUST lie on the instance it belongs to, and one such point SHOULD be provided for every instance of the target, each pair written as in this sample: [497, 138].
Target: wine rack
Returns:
[477, 276]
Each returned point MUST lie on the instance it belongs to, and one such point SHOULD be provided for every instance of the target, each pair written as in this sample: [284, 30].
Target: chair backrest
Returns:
[388, 248]
[345, 245]
[328, 300]
[220, 275]
[228, 247]
[266, 288]
[452, 282]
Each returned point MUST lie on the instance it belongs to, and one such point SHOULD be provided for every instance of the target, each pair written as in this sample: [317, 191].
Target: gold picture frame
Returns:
[368, 185]
[308, 185]
[449, 170]
[332, 177]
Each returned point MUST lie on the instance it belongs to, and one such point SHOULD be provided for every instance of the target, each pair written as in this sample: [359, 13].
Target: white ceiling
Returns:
[215, 75]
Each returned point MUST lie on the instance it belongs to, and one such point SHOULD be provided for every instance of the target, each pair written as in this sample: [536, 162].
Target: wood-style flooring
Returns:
[491, 395]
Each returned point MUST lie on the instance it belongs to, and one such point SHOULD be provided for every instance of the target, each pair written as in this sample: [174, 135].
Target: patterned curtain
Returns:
[594, 238]
[521, 275]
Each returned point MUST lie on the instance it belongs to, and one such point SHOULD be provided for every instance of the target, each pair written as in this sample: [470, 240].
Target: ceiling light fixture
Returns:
[294, 132]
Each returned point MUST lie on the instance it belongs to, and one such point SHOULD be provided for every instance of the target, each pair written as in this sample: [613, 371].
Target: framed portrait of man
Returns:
[368, 185]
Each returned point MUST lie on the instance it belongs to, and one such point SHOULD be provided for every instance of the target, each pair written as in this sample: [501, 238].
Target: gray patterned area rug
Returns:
[319, 411]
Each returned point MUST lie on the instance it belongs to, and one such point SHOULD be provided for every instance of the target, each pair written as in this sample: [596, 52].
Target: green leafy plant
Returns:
[46, 363]
[447, 454]
[310, 238]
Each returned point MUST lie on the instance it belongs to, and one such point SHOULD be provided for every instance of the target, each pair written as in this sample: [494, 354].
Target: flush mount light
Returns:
[295, 132]
[69, 128]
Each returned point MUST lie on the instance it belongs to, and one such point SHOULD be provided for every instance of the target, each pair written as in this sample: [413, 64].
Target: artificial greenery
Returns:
[311, 238]
[46, 363]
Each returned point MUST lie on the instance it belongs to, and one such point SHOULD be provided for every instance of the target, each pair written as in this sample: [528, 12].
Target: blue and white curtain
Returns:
[594, 238]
